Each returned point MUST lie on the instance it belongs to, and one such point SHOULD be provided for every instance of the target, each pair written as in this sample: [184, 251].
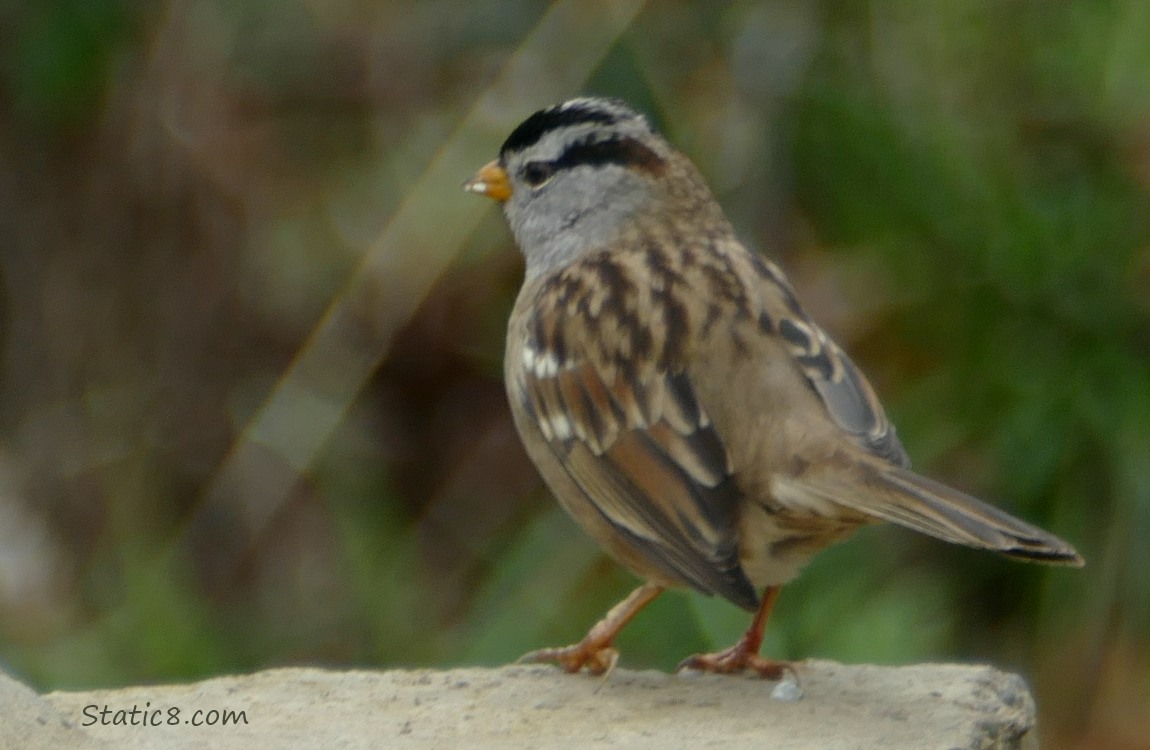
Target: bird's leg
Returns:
[595, 652]
[745, 653]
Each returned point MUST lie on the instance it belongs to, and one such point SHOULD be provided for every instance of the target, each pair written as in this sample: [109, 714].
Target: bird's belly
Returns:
[774, 546]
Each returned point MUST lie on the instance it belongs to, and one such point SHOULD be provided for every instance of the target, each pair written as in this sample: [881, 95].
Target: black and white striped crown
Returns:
[592, 130]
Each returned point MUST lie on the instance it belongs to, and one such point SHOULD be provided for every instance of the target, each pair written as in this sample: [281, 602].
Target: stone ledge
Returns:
[949, 707]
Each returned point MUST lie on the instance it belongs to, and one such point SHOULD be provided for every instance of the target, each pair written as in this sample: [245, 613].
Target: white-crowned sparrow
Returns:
[674, 395]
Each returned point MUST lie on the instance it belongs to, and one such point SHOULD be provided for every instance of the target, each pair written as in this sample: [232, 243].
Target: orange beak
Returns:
[491, 180]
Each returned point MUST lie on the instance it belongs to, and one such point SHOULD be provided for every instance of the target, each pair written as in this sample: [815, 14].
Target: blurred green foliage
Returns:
[193, 484]
[59, 59]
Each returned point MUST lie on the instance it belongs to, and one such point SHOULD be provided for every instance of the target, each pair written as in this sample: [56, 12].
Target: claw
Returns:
[744, 655]
[596, 658]
[595, 652]
[737, 659]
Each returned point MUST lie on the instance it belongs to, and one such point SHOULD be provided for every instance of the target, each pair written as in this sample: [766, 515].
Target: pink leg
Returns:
[595, 652]
[745, 653]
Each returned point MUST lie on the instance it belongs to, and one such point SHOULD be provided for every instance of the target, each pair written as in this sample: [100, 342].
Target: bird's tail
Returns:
[900, 496]
[953, 516]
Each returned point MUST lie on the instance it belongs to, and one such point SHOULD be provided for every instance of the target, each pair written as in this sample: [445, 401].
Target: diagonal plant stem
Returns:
[429, 228]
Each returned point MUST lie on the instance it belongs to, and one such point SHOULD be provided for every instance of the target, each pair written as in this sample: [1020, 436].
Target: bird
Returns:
[676, 397]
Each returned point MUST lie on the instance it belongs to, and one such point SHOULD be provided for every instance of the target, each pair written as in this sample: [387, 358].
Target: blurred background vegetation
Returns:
[251, 410]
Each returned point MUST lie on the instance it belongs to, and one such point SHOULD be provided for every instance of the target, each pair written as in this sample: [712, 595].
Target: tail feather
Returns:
[954, 516]
[900, 496]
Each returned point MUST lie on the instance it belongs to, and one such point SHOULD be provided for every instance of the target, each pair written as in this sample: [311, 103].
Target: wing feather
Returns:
[646, 456]
[847, 396]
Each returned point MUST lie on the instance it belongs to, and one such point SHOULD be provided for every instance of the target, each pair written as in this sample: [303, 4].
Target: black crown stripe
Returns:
[623, 151]
[544, 121]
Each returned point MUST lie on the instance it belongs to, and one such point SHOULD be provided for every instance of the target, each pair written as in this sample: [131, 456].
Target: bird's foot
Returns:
[595, 652]
[738, 658]
[744, 655]
[595, 656]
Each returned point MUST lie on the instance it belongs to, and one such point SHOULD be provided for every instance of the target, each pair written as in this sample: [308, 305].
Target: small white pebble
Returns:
[787, 690]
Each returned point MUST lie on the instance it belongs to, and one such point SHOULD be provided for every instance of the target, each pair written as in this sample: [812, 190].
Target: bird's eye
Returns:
[535, 173]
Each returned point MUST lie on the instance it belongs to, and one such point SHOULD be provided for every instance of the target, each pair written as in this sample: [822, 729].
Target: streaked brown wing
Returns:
[646, 456]
[845, 392]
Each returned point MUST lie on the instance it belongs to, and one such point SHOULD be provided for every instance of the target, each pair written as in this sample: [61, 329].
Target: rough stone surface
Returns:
[947, 707]
[29, 721]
